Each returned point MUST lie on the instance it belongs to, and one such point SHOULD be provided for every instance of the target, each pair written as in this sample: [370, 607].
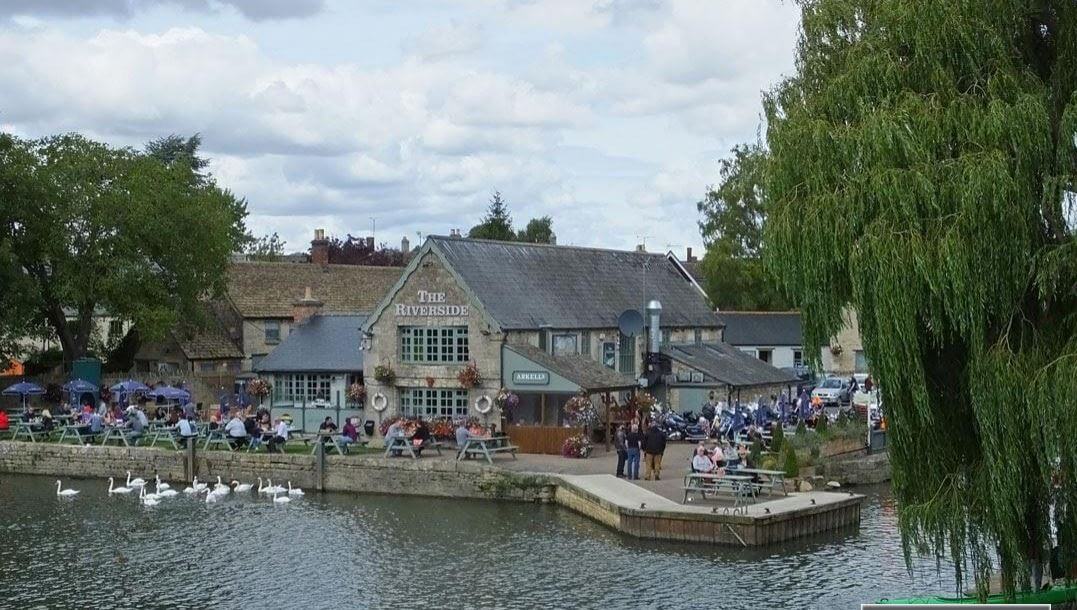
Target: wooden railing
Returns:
[540, 439]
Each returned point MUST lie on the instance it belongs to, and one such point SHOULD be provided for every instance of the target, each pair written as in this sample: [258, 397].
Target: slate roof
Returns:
[325, 343]
[744, 328]
[582, 371]
[267, 290]
[527, 286]
[210, 342]
[728, 365]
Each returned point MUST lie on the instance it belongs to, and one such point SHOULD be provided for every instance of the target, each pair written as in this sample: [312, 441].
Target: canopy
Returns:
[79, 386]
[23, 389]
[168, 392]
[130, 385]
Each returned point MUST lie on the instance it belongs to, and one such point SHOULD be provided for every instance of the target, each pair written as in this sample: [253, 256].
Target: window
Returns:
[272, 331]
[628, 355]
[665, 336]
[433, 344]
[764, 354]
[697, 336]
[302, 388]
[564, 345]
[861, 362]
[433, 403]
[585, 343]
[208, 366]
[115, 329]
[609, 354]
[798, 358]
[542, 340]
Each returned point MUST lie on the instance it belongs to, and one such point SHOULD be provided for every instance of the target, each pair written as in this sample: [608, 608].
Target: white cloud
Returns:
[448, 40]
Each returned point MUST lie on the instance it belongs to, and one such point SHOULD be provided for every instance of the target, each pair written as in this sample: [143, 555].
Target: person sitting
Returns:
[420, 438]
[137, 424]
[27, 414]
[328, 425]
[96, 424]
[349, 435]
[47, 423]
[395, 431]
[186, 428]
[462, 435]
[280, 437]
[5, 423]
[189, 411]
[701, 463]
[732, 458]
[254, 432]
[236, 431]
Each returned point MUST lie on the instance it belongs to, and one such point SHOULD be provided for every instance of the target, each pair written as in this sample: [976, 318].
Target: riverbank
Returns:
[621, 505]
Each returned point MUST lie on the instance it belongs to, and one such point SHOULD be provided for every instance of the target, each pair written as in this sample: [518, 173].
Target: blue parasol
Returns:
[127, 387]
[23, 389]
[170, 393]
[76, 388]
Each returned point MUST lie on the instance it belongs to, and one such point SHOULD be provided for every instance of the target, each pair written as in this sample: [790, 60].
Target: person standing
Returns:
[622, 450]
[654, 446]
[633, 446]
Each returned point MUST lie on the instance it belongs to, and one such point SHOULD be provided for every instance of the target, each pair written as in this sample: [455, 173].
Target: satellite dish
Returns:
[630, 322]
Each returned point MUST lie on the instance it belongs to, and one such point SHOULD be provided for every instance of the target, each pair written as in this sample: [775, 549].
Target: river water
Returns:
[347, 551]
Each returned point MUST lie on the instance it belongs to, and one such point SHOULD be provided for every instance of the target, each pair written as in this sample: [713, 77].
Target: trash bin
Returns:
[368, 427]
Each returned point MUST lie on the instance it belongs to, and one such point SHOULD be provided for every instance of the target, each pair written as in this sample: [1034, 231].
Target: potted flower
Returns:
[469, 376]
[577, 447]
[384, 374]
[357, 393]
[259, 388]
[507, 401]
[580, 411]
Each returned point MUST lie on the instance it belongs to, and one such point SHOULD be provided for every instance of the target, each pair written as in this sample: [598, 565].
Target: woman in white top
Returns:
[701, 462]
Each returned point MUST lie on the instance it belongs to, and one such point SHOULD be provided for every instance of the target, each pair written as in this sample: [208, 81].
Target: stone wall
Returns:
[861, 470]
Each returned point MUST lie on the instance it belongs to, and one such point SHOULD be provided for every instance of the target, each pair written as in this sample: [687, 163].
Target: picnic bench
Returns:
[331, 440]
[739, 487]
[771, 479]
[215, 437]
[29, 430]
[486, 446]
[122, 434]
[79, 432]
[401, 444]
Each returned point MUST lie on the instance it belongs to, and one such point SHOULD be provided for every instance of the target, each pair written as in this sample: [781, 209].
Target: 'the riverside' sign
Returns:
[431, 304]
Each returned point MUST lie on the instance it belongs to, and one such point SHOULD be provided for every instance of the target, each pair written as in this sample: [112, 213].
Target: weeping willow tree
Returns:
[922, 166]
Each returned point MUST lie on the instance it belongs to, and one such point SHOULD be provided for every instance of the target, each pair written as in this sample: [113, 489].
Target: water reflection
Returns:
[338, 550]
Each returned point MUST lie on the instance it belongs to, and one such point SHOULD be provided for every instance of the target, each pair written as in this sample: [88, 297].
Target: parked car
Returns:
[833, 391]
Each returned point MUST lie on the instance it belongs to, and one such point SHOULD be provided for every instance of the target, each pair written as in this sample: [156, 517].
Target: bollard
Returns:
[189, 466]
[319, 466]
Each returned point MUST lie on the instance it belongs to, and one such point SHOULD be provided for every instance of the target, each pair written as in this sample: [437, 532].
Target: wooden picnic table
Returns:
[80, 432]
[331, 439]
[120, 433]
[404, 443]
[486, 446]
[774, 479]
[29, 430]
[739, 486]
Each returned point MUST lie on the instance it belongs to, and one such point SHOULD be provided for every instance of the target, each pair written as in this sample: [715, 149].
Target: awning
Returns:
[526, 368]
[724, 365]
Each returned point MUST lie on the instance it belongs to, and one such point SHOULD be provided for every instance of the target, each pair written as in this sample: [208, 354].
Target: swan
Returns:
[148, 499]
[134, 482]
[199, 487]
[167, 493]
[220, 487]
[211, 497]
[294, 491]
[241, 487]
[274, 489]
[160, 485]
[278, 499]
[117, 490]
[65, 492]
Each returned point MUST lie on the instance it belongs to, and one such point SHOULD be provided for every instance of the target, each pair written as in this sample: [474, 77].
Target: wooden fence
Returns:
[540, 439]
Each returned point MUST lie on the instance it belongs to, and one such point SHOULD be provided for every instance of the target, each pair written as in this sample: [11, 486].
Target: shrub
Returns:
[755, 454]
[822, 424]
[801, 428]
[789, 461]
[777, 438]
[770, 462]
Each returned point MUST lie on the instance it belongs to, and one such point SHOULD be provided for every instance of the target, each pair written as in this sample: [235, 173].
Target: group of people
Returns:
[420, 436]
[723, 457]
[247, 427]
[631, 443]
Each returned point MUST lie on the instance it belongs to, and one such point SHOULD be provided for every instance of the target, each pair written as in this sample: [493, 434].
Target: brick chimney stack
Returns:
[405, 245]
[370, 243]
[319, 249]
[690, 258]
[304, 308]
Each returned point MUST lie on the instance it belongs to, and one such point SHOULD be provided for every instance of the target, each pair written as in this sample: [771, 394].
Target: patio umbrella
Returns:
[76, 388]
[128, 386]
[23, 389]
[168, 392]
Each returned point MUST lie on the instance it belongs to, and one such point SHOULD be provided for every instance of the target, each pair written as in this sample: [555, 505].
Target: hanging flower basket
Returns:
[258, 388]
[580, 411]
[357, 393]
[430, 382]
[469, 376]
[836, 349]
[507, 401]
[576, 447]
[384, 374]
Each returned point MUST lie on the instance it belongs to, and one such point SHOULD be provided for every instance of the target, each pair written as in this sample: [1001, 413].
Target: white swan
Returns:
[161, 486]
[166, 493]
[65, 492]
[148, 499]
[117, 490]
[220, 487]
[241, 487]
[278, 499]
[199, 487]
[294, 491]
[274, 489]
[266, 489]
[211, 497]
[134, 482]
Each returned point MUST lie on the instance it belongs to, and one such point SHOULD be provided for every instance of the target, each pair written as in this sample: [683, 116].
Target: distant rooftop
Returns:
[323, 344]
[748, 328]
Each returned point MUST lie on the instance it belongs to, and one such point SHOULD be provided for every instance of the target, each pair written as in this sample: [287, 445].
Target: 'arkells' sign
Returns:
[531, 377]
[431, 304]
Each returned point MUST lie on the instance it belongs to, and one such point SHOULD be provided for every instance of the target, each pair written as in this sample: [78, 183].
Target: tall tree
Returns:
[174, 149]
[86, 226]
[497, 224]
[359, 251]
[537, 231]
[267, 248]
[732, 228]
[922, 170]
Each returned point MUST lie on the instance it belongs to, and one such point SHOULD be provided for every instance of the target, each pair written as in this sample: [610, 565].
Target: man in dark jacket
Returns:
[654, 445]
[620, 444]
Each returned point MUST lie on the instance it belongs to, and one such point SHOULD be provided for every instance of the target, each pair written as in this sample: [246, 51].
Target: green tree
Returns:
[921, 171]
[173, 149]
[267, 248]
[497, 224]
[790, 462]
[732, 228]
[86, 226]
[538, 231]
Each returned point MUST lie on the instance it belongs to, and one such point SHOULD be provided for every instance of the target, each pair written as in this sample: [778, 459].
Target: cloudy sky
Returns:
[607, 115]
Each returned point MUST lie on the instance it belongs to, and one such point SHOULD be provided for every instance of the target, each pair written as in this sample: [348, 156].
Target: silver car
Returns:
[833, 391]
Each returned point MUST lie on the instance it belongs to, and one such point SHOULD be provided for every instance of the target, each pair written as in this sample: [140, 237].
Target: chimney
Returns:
[319, 249]
[405, 245]
[304, 308]
[455, 233]
[370, 243]
[689, 258]
[641, 248]
[654, 331]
